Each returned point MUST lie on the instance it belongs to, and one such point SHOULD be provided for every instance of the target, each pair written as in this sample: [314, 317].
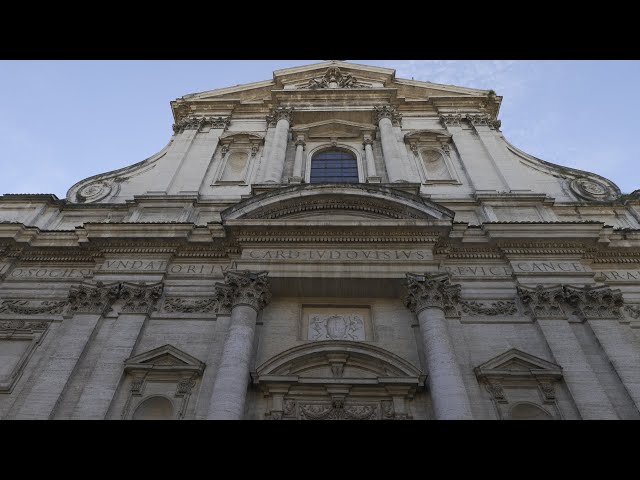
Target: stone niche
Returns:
[522, 386]
[159, 384]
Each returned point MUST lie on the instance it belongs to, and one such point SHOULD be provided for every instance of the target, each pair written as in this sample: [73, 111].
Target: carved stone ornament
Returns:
[591, 189]
[140, 298]
[431, 290]
[336, 327]
[496, 391]
[90, 299]
[387, 111]
[94, 192]
[542, 302]
[634, 311]
[483, 119]
[279, 113]
[32, 307]
[244, 288]
[337, 410]
[334, 78]
[196, 123]
[494, 308]
[594, 302]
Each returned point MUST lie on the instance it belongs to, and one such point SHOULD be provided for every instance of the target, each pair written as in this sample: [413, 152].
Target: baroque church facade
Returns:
[332, 243]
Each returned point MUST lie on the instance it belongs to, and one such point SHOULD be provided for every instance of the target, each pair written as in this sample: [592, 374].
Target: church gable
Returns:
[515, 362]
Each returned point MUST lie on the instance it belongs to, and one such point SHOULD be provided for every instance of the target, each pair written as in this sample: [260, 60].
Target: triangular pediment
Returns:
[515, 362]
[166, 356]
[334, 128]
[334, 201]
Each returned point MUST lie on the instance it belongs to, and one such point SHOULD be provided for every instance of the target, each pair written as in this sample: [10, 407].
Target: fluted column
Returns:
[275, 163]
[247, 293]
[385, 116]
[429, 296]
[372, 176]
[297, 164]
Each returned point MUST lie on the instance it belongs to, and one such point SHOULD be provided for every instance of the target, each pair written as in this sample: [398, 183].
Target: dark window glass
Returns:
[334, 166]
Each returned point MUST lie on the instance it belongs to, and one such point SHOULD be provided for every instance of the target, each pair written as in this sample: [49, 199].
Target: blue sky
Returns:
[62, 121]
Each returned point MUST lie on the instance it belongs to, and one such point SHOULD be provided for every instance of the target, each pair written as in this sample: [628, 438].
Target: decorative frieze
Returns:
[494, 308]
[279, 113]
[542, 302]
[337, 410]
[243, 288]
[22, 326]
[196, 123]
[594, 302]
[140, 298]
[184, 305]
[633, 310]
[32, 307]
[387, 111]
[431, 291]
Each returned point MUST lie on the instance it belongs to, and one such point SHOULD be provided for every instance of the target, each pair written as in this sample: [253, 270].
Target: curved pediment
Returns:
[337, 201]
[353, 360]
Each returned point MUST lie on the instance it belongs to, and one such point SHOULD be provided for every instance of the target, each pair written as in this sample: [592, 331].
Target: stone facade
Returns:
[458, 278]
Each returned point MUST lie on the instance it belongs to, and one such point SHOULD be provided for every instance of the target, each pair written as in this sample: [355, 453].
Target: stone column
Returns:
[87, 304]
[100, 386]
[372, 177]
[589, 396]
[275, 163]
[247, 294]
[385, 116]
[297, 164]
[429, 296]
[600, 308]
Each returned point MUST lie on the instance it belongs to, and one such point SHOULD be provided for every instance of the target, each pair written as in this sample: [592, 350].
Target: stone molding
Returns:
[243, 288]
[32, 307]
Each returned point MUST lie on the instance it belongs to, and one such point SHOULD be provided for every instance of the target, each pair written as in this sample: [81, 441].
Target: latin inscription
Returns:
[548, 267]
[339, 255]
[49, 273]
[479, 270]
[621, 275]
[142, 265]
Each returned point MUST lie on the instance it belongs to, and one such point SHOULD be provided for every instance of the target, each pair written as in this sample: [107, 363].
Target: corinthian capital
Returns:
[92, 299]
[140, 298]
[431, 290]
[244, 288]
[594, 302]
[484, 119]
[387, 111]
[279, 113]
[542, 302]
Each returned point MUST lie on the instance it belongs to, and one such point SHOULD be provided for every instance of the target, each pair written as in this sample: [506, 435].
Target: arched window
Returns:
[334, 166]
[234, 169]
[434, 164]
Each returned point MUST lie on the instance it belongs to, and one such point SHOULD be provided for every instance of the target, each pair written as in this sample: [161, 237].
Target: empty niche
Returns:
[154, 408]
[435, 165]
[235, 167]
